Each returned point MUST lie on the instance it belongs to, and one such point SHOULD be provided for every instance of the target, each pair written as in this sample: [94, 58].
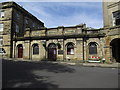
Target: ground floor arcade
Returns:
[68, 49]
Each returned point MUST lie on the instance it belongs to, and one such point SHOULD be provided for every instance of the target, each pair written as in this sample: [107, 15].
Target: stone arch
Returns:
[115, 49]
[35, 42]
[70, 43]
[52, 45]
[96, 40]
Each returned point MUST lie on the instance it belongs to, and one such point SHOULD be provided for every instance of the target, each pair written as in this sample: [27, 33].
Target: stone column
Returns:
[14, 49]
[27, 49]
[79, 49]
[108, 53]
[46, 51]
[85, 50]
[64, 48]
[42, 53]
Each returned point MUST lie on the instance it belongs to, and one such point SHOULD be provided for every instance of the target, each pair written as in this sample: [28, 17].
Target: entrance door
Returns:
[52, 53]
[20, 51]
[116, 49]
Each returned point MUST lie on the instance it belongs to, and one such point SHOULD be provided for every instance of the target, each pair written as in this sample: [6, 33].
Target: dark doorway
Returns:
[115, 47]
[20, 51]
[52, 52]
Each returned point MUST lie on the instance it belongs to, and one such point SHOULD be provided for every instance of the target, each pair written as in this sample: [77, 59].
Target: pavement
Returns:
[104, 65]
[52, 75]
[113, 65]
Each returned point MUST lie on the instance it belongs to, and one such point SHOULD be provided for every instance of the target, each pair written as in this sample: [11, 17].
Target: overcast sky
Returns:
[55, 14]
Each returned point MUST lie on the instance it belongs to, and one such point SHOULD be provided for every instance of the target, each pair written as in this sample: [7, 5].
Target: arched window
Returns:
[35, 49]
[92, 48]
[70, 49]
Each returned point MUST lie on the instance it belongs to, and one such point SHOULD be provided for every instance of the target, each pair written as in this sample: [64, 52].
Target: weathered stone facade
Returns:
[62, 35]
[108, 9]
[112, 29]
[15, 21]
[35, 42]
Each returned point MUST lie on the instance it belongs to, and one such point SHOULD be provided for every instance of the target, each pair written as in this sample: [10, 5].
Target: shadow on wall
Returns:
[18, 74]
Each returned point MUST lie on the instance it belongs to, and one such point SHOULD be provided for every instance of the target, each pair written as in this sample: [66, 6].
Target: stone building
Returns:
[29, 39]
[112, 29]
[14, 20]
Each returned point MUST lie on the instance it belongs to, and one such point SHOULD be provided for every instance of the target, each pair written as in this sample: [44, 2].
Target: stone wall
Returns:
[111, 34]
[6, 34]
[108, 9]
[63, 36]
[15, 15]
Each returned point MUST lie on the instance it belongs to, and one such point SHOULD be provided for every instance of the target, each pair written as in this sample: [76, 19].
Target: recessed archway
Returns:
[20, 51]
[52, 52]
[115, 49]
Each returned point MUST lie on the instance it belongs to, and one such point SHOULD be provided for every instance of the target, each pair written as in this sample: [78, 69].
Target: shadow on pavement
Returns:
[18, 74]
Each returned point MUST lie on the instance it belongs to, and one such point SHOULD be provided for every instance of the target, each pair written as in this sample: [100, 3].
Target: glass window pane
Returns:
[1, 41]
[17, 28]
[26, 20]
[70, 49]
[116, 16]
[35, 49]
[92, 48]
[2, 14]
[117, 21]
[1, 27]
[18, 16]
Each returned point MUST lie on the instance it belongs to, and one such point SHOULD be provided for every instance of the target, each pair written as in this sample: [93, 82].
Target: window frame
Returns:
[18, 16]
[93, 48]
[26, 21]
[17, 28]
[116, 17]
[70, 49]
[35, 50]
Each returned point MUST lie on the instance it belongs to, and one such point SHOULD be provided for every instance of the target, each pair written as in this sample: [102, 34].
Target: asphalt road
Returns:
[18, 74]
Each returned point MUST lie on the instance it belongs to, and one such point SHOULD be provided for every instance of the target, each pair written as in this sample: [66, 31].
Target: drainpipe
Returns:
[83, 48]
[46, 50]
[30, 57]
[63, 50]
[15, 46]
[29, 49]
[84, 32]
[63, 46]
